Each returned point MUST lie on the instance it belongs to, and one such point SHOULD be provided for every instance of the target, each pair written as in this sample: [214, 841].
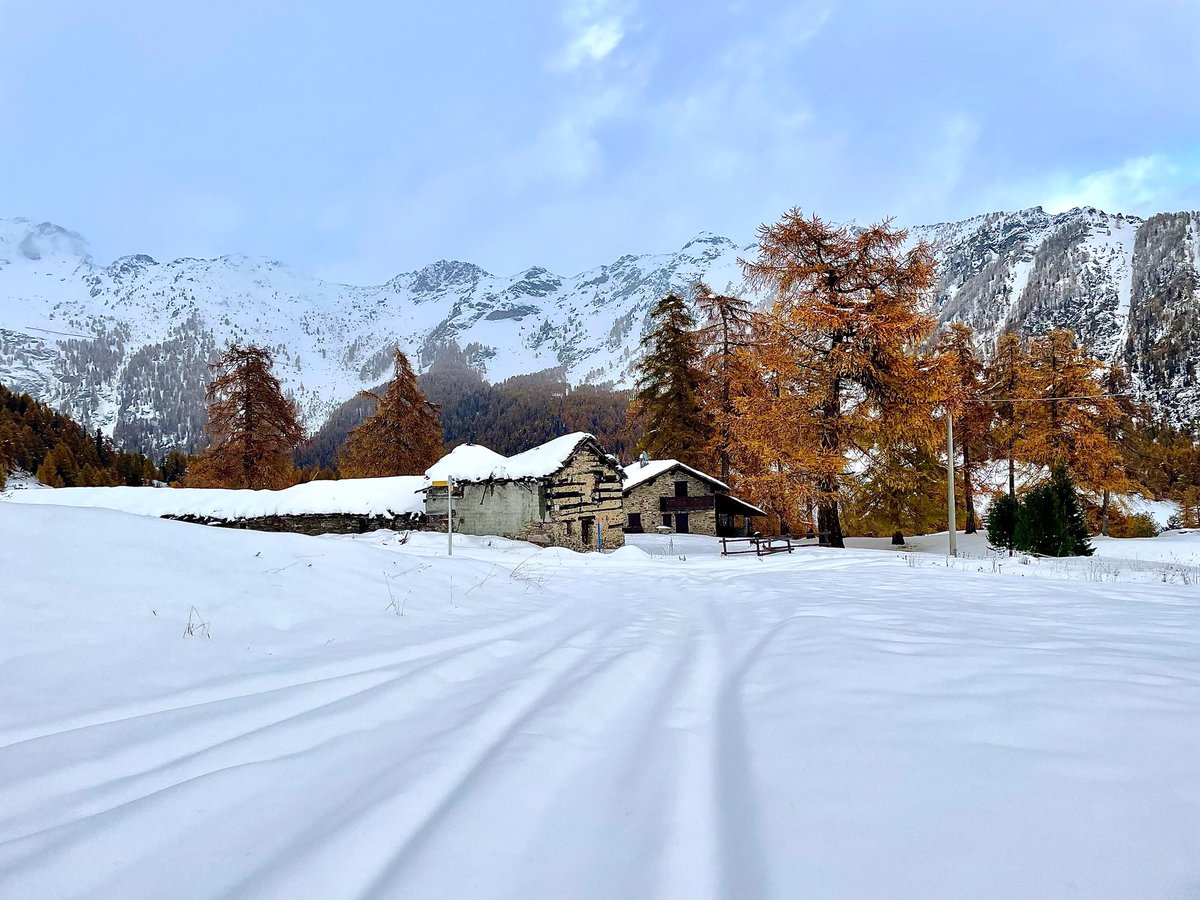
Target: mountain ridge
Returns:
[124, 346]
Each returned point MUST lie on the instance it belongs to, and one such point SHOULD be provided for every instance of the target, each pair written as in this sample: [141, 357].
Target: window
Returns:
[570, 526]
[681, 489]
[667, 520]
[635, 521]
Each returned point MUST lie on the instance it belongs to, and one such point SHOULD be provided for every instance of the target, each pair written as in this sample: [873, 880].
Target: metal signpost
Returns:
[448, 484]
[952, 521]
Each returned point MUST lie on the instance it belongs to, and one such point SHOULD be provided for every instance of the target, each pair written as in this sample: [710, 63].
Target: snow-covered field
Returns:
[357, 717]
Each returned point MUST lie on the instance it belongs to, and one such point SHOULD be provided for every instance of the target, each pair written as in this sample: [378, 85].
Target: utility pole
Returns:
[449, 516]
[952, 520]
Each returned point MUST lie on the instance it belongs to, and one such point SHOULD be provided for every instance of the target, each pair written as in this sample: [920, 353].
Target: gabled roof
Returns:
[637, 473]
[472, 462]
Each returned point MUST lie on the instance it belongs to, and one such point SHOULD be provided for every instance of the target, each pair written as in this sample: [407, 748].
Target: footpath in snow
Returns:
[194, 712]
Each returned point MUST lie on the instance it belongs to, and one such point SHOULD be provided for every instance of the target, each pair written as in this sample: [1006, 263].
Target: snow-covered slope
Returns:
[540, 723]
[123, 346]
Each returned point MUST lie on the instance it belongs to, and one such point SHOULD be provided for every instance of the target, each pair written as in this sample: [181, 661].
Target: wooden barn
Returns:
[666, 494]
[564, 493]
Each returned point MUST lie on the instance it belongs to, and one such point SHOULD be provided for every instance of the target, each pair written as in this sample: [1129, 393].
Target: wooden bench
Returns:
[757, 544]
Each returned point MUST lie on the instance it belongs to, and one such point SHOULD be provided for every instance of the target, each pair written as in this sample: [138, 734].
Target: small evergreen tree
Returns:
[670, 386]
[1050, 520]
[1002, 522]
[402, 437]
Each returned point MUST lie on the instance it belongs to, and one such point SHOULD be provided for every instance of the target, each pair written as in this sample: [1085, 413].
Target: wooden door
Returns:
[681, 523]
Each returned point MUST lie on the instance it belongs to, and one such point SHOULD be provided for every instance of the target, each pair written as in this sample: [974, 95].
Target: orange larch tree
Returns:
[967, 403]
[402, 437]
[1069, 422]
[253, 428]
[725, 330]
[842, 343]
[1008, 382]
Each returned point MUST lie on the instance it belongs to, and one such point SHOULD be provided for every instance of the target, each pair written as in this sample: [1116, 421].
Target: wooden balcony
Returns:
[686, 504]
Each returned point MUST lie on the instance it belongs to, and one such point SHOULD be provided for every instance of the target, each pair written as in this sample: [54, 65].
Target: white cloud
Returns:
[594, 43]
[1138, 184]
[595, 29]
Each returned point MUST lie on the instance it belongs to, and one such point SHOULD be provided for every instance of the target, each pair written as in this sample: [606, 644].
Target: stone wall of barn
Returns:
[315, 523]
[644, 500]
[505, 508]
[588, 487]
[549, 511]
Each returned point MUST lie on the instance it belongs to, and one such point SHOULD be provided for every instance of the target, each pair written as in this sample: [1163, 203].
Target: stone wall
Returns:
[505, 508]
[588, 488]
[314, 524]
[644, 500]
[551, 511]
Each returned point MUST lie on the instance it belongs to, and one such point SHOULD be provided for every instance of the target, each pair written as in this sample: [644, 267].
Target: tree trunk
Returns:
[829, 524]
[968, 494]
[1012, 476]
[1104, 514]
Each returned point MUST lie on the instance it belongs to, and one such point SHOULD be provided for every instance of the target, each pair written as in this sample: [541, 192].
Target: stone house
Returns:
[564, 493]
[665, 493]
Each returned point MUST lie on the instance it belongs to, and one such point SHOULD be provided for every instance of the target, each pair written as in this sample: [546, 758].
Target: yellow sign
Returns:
[441, 484]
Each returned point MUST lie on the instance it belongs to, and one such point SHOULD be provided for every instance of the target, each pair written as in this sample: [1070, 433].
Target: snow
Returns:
[466, 462]
[472, 462]
[1171, 558]
[356, 496]
[990, 479]
[659, 722]
[638, 473]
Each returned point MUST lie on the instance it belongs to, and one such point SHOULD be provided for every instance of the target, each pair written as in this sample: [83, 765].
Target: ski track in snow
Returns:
[822, 724]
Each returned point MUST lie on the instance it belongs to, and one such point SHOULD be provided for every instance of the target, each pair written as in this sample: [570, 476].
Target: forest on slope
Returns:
[508, 417]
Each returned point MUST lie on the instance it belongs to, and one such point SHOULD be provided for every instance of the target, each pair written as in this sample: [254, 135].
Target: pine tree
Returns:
[1002, 523]
[402, 437]
[972, 414]
[842, 341]
[1050, 519]
[252, 427]
[670, 387]
[724, 333]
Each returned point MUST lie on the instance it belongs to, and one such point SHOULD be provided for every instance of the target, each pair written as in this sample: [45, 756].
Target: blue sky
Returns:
[361, 138]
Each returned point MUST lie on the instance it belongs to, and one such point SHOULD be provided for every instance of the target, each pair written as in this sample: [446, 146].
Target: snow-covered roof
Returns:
[466, 462]
[545, 459]
[354, 496]
[639, 474]
[472, 462]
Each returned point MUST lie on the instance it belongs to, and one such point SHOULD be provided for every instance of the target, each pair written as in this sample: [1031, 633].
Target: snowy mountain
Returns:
[123, 346]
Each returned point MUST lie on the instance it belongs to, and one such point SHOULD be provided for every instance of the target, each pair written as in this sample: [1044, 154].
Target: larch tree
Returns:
[843, 337]
[1118, 422]
[1067, 422]
[1007, 377]
[968, 404]
[724, 333]
[668, 402]
[252, 427]
[402, 437]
